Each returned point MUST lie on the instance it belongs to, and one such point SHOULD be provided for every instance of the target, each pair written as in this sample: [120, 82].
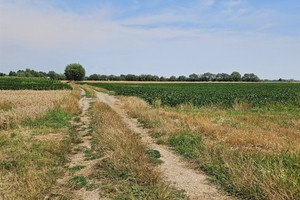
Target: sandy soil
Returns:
[174, 169]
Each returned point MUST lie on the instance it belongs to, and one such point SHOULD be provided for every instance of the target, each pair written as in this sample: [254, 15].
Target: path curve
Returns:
[174, 170]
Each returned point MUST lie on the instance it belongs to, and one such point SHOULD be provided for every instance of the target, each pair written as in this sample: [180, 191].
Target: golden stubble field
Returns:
[17, 105]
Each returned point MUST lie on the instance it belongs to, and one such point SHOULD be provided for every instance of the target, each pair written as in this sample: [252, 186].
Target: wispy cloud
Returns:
[200, 33]
[233, 3]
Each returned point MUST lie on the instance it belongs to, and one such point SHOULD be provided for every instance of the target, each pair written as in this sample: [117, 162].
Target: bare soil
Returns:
[173, 168]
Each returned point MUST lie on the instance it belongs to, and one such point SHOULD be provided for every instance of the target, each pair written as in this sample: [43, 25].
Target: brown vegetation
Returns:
[33, 153]
[245, 149]
[27, 104]
[127, 165]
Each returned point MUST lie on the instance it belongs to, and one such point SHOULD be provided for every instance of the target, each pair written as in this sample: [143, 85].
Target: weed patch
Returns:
[186, 143]
[77, 182]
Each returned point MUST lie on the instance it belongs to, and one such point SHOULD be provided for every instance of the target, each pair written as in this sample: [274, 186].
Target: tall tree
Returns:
[75, 72]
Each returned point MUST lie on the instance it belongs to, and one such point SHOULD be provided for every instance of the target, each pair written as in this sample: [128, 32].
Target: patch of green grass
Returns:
[77, 182]
[146, 124]
[76, 168]
[92, 186]
[64, 198]
[53, 119]
[5, 107]
[93, 156]
[186, 143]
[77, 119]
[160, 141]
[83, 149]
[157, 134]
[88, 94]
[154, 156]
[74, 137]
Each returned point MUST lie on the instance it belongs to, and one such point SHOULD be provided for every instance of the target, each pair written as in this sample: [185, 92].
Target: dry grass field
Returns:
[17, 105]
[250, 154]
[33, 151]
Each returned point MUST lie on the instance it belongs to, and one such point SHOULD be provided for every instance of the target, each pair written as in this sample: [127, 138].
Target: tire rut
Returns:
[78, 158]
[174, 169]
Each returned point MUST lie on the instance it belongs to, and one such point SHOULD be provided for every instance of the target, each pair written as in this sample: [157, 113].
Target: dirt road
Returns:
[174, 170]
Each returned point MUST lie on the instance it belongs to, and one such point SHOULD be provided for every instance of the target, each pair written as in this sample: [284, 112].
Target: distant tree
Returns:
[12, 73]
[61, 77]
[75, 72]
[53, 75]
[182, 78]
[94, 77]
[2, 74]
[235, 76]
[194, 77]
[162, 78]
[173, 78]
[222, 77]
[208, 77]
[131, 77]
[155, 78]
[114, 78]
[122, 76]
[250, 78]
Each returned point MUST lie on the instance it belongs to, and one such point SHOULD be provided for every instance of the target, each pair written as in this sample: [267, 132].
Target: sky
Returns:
[159, 37]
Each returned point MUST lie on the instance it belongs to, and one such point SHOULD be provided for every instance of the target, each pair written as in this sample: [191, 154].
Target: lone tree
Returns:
[74, 72]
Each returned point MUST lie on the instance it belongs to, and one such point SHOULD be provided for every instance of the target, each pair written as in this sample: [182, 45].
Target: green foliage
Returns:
[55, 76]
[186, 143]
[75, 72]
[93, 156]
[154, 156]
[77, 168]
[53, 119]
[92, 186]
[207, 94]
[78, 182]
[16, 83]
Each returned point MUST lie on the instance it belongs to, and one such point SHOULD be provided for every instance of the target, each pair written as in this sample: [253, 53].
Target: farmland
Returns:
[211, 94]
[246, 136]
[18, 83]
[35, 135]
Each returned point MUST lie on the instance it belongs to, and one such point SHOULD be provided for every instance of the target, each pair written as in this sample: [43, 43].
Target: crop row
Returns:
[16, 83]
[205, 94]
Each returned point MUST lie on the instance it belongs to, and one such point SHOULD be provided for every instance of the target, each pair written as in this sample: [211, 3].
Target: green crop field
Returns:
[16, 83]
[206, 94]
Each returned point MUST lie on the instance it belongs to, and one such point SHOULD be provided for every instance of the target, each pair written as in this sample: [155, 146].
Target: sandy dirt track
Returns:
[174, 170]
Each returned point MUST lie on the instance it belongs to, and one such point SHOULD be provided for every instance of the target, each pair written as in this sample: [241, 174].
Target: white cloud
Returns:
[39, 34]
[209, 2]
[233, 3]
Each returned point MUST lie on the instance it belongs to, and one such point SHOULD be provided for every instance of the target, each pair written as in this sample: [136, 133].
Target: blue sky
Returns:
[162, 37]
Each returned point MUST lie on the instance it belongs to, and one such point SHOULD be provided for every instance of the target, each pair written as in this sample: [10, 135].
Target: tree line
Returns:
[234, 76]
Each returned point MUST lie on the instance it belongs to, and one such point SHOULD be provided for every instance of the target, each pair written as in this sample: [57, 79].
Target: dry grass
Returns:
[27, 104]
[33, 153]
[126, 166]
[263, 132]
[251, 154]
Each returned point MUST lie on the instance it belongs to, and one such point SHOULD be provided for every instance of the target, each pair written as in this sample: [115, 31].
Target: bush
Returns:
[74, 72]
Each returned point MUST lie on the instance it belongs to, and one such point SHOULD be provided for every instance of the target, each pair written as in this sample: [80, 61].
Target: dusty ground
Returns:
[175, 170]
[78, 158]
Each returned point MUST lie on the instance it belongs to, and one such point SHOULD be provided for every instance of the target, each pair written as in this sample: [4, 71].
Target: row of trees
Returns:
[77, 72]
[72, 72]
[32, 73]
[234, 76]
